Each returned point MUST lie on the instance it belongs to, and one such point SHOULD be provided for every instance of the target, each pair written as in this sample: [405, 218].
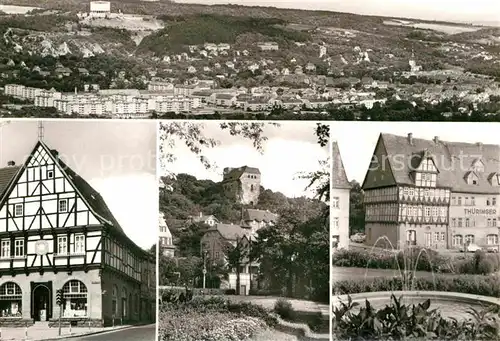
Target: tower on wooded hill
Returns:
[244, 183]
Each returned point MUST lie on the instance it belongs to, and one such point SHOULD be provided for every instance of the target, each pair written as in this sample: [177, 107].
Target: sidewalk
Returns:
[298, 305]
[39, 333]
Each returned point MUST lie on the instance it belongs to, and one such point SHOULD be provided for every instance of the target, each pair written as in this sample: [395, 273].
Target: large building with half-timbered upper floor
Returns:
[56, 232]
[432, 193]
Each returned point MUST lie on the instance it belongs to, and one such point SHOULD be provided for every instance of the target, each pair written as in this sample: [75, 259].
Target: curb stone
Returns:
[67, 337]
[299, 329]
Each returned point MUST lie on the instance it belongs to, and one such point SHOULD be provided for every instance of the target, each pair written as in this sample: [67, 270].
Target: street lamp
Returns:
[204, 269]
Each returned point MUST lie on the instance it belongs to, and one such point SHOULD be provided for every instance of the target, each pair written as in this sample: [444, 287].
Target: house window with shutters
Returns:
[75, 300]
[11, 298]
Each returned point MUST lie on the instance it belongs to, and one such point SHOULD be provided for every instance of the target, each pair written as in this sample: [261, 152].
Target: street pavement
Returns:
[139, 333]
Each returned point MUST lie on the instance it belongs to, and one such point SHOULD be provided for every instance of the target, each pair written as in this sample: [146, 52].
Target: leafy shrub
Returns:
[418, 259]
[284, 309]
[230, 292]
[398, 321]
[470, 284]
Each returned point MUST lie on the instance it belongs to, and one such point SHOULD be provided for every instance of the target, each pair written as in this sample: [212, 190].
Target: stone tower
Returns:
[340, 202]
[244, 183]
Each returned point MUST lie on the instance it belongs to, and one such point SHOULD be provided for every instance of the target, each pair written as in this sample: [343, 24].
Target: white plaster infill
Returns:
[439, 295]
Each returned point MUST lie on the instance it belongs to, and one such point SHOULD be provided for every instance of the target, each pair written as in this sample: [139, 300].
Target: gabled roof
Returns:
[93, 198]
[6, 176]
[236, 173]
[339, 177]
[87, 193]
[259, 215]
[452, 159]
[419, 157]
[230, 232]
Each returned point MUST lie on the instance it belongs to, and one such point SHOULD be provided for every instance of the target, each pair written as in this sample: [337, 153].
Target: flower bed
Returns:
[470, 284]
[428, 260]
[211, 319]
[195, 326]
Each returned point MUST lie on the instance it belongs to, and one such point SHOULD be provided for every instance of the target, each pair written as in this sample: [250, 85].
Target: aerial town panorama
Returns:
[149, 59]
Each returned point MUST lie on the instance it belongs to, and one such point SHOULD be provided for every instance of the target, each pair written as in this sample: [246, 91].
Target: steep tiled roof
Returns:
[259, 215]
[453, 161]
[236, 173]
[93, 197]
[339, 177]
[230, 232]
[6, 175]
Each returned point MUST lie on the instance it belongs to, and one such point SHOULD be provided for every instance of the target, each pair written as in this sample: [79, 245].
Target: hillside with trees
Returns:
[181, 31]
[190, 196]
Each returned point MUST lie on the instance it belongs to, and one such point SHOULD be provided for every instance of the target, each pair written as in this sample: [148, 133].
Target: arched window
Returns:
[411, 237]
[137, 303]
[470, 239]
[11, 298]
[492, 239]
[114, 300]
[75, 301]
[124, 302]
[457, 240]
[130, 304]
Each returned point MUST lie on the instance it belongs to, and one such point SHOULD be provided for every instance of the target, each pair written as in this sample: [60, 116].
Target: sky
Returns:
[476, 11]
[117, 158]
[357, 140]
[291, 148]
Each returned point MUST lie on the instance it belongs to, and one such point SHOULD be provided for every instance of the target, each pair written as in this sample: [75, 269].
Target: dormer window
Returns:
[427, 165]
[472, 178]
[478, 166]
[425, 170]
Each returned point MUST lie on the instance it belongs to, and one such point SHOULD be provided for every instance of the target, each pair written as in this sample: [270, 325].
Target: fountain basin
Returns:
[450, 304]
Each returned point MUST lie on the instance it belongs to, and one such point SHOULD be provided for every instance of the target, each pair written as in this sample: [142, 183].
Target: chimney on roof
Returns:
[479, 144]
[410, 138]
[11, 164]
[436, 139]
[55, 153]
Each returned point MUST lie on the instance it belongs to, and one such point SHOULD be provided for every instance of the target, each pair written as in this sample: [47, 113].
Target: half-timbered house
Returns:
[56, 232]
[432, 193]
